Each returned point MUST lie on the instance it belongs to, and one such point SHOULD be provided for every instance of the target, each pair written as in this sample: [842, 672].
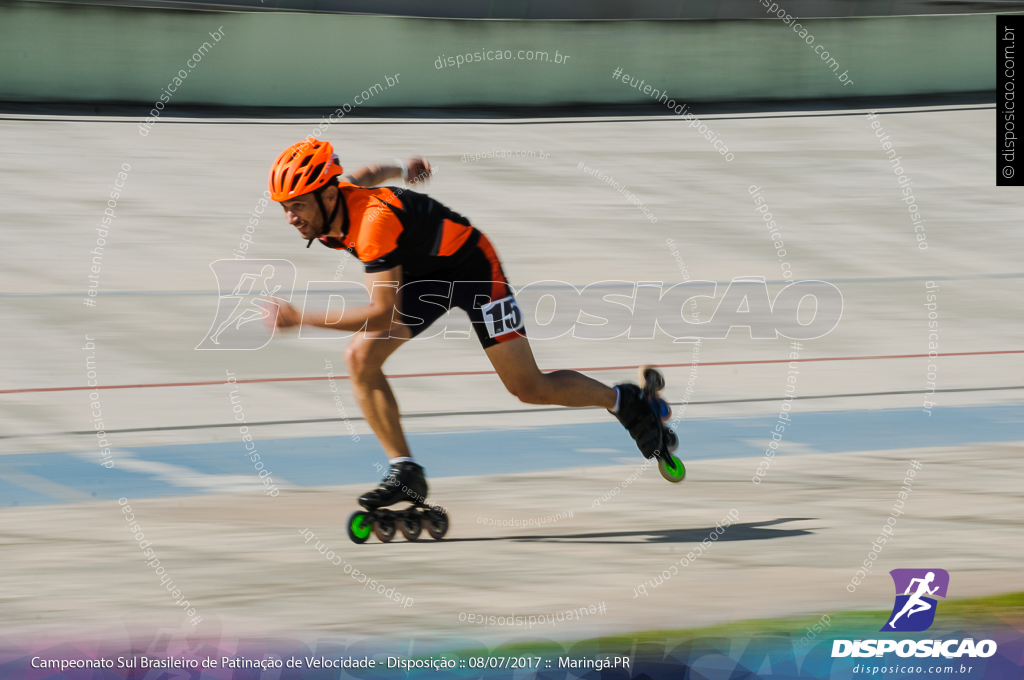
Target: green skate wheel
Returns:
[672, 469]
[359, 528]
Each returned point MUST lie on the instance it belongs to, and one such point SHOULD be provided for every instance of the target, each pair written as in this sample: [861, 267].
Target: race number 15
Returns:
[502, 316]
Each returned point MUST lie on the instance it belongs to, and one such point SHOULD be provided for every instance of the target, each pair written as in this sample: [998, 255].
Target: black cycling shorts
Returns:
[477, 285]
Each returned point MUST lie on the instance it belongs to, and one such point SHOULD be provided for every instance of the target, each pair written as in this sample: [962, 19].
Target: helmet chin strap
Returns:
[323, 213]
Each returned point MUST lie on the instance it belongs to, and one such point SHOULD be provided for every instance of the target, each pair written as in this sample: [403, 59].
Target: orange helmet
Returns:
[302, 168]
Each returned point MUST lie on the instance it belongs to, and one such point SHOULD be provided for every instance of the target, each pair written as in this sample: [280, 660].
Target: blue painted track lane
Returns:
[155, 471]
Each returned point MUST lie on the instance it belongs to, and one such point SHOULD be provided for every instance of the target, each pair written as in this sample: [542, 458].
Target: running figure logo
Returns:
[915, 584]
[256, 287]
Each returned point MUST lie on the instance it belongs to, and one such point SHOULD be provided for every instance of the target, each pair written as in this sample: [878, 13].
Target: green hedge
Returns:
[55, 52]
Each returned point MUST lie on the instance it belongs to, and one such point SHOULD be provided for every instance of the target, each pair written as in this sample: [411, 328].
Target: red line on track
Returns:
[457, 373]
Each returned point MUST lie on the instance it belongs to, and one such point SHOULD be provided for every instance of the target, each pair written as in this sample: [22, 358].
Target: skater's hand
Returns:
[287, 316]
[418, 167]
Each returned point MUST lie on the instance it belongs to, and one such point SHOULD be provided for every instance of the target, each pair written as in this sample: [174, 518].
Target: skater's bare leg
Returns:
[365, 357]
[514, 362]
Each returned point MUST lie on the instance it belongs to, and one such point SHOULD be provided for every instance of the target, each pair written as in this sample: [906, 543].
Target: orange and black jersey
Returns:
[386, 227]
[445, 261]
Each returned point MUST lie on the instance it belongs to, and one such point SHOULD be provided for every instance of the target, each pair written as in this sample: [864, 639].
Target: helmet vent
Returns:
[303, 168]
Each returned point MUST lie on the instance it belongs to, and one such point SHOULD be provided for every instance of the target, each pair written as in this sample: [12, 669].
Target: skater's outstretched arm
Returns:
[376, 316]
[372, 175]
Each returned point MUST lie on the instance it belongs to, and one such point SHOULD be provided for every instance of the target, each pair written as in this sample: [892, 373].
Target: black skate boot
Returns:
[637, 416]
[405, 482]
[643, 412]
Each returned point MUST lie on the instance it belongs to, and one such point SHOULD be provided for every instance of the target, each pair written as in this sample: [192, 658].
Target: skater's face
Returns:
[303, 213]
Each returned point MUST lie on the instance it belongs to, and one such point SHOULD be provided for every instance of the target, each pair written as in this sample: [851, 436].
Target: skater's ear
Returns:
[330, 196]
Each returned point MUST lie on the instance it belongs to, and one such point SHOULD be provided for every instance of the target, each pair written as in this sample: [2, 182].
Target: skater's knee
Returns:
[360, 361]
[353, 360]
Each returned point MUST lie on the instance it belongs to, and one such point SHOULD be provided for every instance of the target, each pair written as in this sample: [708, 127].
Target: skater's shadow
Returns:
[750, 531]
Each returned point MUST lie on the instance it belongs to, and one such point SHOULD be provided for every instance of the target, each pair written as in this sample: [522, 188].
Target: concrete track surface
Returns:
[238, 556]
